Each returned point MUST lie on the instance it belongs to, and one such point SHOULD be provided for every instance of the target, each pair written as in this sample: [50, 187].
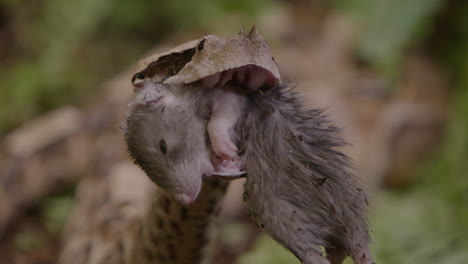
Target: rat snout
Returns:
[185, 199]
[187, 187]
[188, 180]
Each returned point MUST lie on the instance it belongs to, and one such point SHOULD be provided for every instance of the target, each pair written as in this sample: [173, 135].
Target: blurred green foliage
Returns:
[29, 239]
[428, 223]
[55, 211]
[388, 28]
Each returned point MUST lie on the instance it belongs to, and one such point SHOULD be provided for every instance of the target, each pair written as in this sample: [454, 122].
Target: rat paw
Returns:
[315, 258]
[221, 143]
[225, 150]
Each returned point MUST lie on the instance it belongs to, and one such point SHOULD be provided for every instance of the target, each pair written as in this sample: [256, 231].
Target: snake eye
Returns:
[163, 146]
[138, 76]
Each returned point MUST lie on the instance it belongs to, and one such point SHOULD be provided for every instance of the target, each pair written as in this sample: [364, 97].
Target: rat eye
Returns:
[163, 146]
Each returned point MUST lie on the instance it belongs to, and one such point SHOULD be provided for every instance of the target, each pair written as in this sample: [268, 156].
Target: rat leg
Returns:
[227, 109]
[218, 131]
[313, 257]
[362, 256]
[336, 256]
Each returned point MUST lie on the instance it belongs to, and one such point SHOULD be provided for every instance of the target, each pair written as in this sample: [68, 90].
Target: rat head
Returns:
[167, 139]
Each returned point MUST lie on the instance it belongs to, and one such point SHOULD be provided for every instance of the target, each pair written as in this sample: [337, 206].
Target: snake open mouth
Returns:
[210, 60]
[250, 76]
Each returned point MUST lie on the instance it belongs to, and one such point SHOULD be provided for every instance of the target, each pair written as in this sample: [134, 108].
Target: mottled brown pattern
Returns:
[105, 228]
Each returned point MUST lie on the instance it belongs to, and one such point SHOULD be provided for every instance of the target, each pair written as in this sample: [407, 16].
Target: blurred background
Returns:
[392, 73]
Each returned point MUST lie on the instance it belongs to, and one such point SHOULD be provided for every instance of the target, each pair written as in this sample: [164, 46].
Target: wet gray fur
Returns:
[299, 187]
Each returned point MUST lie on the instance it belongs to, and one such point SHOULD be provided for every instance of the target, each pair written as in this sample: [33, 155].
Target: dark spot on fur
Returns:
[163, 146]
[201, 45]
[333, 210]
[321, 181]
[241, 151]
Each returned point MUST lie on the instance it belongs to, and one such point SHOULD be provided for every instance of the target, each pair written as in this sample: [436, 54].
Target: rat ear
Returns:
[154, 101]
[153, 94]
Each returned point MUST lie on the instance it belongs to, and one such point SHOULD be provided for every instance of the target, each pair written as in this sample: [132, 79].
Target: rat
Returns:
[166, 135]
[299, 188]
